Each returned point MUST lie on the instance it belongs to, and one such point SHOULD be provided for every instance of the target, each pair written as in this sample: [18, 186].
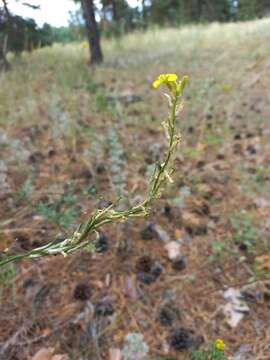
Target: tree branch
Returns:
[34, 7]
[6, 8]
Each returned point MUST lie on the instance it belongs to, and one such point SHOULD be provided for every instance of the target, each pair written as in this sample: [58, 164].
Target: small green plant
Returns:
[26, 190]
[245, 234]
[218, 249]
[191, 153]
[91, 190]
[261, 175]
[59, 211]
[91, 87]
[79, 239]
[213, 139]
[257, 179]
[261, 267]
[162, 357]
[116, 154]
[7, 274]
[214, 352]
[101, 102]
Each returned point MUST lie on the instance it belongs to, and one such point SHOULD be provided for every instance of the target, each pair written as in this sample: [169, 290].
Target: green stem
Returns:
[171, 123]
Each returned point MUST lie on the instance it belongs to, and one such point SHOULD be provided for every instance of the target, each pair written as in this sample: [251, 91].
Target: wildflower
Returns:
[84, 45]
[220, 344]
[166, 79]
[171, 81]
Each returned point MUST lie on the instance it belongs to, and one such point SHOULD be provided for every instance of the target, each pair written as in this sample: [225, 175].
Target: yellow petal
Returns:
[156, 83]
[220, 344]
[171, 77]
[162, 77]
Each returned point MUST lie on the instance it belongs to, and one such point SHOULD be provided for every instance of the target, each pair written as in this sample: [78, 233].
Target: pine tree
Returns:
[247, 9]
[166, 12]
[93, 35]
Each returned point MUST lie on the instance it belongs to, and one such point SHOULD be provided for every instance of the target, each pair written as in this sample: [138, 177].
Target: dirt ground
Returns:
[72, 143]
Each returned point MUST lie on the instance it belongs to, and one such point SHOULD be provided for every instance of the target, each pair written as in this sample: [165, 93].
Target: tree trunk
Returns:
[115, 12]
[4, 64]
[144, 11]
[5, 7]
[96, 55]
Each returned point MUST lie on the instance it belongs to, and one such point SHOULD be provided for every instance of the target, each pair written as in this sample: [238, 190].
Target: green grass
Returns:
[7, 276]
[245, 233]
[202, 51]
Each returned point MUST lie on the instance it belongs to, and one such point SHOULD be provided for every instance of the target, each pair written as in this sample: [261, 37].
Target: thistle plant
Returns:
[79, 239]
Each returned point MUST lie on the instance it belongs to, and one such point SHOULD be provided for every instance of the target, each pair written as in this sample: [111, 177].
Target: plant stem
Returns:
[78, 239]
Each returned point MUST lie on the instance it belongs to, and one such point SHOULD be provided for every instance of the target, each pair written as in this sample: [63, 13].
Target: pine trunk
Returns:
[96, 56]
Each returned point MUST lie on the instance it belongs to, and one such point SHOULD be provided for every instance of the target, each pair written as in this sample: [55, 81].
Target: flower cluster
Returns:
[214, 351]
[220, 344]
[172, 82]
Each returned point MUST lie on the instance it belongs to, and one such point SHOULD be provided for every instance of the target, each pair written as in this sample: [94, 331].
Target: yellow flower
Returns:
[220, 344]
[84, 45]
[171, 81]
[165, 79]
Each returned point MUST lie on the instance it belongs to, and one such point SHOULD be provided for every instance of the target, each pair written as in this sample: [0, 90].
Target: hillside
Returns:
[73, 138]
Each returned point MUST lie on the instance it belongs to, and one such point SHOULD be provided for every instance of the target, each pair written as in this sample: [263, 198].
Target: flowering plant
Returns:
[214, 352]
[80, 238]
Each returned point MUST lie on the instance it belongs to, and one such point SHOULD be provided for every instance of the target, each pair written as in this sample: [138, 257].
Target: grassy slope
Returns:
[60, 123]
